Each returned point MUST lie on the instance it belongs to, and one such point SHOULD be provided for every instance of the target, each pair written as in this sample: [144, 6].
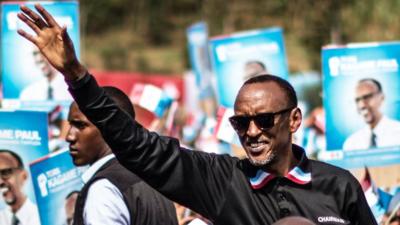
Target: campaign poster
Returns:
[197, 36]
[26, 134]
[56, 182]
[240, 56]
[29, 81]
[361, 85]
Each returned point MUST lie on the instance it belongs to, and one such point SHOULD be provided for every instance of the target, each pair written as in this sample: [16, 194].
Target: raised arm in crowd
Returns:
[275, 181]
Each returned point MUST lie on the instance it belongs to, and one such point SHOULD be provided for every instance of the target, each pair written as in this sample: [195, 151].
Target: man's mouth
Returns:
[256, 147]
[364, 112]
[4, 190]
[73, 151]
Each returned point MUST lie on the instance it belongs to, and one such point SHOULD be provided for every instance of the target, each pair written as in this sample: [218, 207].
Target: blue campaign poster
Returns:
[361, 85]
[197, 36]
[56, 180]
[239, 56]
[25, 133]
[29, 82]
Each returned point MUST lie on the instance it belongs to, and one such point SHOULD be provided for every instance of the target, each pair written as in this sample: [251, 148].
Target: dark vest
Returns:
[146, 206]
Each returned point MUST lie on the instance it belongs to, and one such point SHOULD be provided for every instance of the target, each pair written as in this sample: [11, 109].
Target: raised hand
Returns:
[52, 40]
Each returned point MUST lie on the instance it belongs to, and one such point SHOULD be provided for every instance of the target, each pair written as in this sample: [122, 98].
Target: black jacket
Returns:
[146, 206]
[224, 189]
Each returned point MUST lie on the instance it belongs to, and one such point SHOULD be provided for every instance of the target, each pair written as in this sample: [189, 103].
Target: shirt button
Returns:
[285, 212]
[281, 197]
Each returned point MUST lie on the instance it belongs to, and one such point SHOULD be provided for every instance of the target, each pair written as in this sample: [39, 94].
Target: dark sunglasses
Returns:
[263, 121]
[8, 172]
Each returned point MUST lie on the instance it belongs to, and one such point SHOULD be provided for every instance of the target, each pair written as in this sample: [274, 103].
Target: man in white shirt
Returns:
[20, 210]
[380, 131]
[50, 87]
[111, 194]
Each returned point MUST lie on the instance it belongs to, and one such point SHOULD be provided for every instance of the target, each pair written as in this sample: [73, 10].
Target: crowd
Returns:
[142, 176]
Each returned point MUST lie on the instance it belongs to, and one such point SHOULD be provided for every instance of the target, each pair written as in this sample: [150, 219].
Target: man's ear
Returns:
[24, 175]
[295, 120]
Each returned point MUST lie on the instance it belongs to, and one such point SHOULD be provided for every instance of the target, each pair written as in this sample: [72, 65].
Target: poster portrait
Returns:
[361, 86]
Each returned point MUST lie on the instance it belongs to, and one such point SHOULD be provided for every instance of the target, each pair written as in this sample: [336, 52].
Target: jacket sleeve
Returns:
[356, 208]
[195, 179]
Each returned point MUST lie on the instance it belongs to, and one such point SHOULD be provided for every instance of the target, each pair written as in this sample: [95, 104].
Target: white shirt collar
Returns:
[89, 173]
[381, 126]
[27, 214]
[25, 209]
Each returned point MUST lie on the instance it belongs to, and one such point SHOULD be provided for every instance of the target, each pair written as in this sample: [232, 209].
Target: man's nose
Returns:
[361, 104]
[253, 130]
[2, 181]
[71, 137]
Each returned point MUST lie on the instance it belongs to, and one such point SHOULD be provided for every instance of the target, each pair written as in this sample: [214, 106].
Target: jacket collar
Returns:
[300, 174]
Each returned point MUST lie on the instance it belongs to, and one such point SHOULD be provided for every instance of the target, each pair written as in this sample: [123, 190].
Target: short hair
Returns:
[121, 99]
[282, 83]
[15, 156]
[376, 82]
[258, 63]
[294, 220]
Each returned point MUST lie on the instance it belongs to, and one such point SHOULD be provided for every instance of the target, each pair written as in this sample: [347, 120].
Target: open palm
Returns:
[51, 39]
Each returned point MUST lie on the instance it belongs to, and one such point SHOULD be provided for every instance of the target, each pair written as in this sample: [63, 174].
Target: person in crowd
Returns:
[69, 206]
[293, 220]
[111, 194]
[20, 210]
[380, 130]
[253, 68]
[392, 215]
[50, 87]
[187, 217]
[275, 181]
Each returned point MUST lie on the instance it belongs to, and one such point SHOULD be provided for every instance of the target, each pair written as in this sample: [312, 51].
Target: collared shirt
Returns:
[104, 203]
[219, 187]
[38, 90]
[27, 215]
[387, 133]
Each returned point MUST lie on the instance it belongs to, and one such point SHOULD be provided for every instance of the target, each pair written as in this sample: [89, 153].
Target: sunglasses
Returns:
[263, 121]
[8, 172]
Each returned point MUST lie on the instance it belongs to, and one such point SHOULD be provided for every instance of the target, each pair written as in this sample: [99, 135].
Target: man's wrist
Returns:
[75, 72]
[78, 83]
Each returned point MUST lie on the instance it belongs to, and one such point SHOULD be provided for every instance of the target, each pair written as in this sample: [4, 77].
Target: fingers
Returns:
[29, 22]
[65, 36]
[27, 36]
[35, 18]
[46, 15]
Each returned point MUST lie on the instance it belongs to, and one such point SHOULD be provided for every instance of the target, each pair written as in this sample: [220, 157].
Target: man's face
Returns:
[12, 179]
[368, 100]
[267, 146]
[70, 207]
[85, 141]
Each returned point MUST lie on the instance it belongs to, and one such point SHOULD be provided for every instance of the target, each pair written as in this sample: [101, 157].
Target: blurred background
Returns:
[149, 35]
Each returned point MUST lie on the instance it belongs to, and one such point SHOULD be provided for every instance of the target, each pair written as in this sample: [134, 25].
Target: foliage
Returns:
[147, 25]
